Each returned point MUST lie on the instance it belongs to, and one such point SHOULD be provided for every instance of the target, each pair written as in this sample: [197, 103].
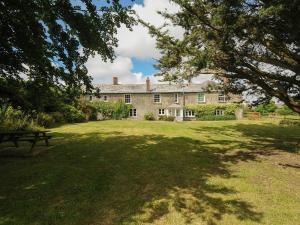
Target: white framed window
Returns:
[105, 98]
[201, 97]
[127, 98]
[91, 97]
[132, 113]
[221, 97]
[220, 112]
[176, 100]
[161, 112]
[189, 113]
[156, 98]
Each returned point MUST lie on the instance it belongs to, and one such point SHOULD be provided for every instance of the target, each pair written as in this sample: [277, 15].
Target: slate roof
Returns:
[154, 88]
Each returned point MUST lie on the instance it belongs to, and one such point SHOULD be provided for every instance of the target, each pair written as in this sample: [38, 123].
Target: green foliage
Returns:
[88, 109]
[266, 108]
[166, 118]
[149, 116]
[58, 117]
[234, 39]
[72, 115]
[55, 38]
[113, 110]
[45, 120]
[285, 111]
[16, 120]
[207, 111]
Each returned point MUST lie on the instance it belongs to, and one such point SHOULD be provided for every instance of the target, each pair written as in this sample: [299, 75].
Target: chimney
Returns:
[115, 80]
[225, 80]
[147, 84]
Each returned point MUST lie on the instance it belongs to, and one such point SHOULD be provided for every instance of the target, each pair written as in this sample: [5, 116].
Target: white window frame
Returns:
[91, 98]
[204, 97]
[220, 112]
[133, 113]
[126, 95]
[221, 97]
[189, 113]
[105, 98]
[176, 98]
[161, 112]
[154, 99]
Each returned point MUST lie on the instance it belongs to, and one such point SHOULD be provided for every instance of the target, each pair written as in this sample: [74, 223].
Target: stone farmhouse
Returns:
[161, 99]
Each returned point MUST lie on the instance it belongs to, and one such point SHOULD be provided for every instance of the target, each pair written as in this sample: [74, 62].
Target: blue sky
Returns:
[136, 52]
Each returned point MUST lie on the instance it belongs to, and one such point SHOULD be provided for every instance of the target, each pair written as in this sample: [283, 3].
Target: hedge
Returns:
[207, 111]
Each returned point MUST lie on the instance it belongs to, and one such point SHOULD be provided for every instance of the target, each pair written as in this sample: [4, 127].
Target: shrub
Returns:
[121, 110]
[73, 115]
[45, 120]
[112, 110]
[58, 117]
[15, 120]
[88, 109]
[266, 108]
[285, 111]
[166, 118]
[149, 116]
[207, 111]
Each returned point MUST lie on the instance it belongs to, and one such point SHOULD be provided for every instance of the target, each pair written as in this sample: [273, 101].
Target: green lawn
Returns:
[139, 172]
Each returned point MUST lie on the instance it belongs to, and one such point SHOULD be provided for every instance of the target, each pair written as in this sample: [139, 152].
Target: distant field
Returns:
[163, 173]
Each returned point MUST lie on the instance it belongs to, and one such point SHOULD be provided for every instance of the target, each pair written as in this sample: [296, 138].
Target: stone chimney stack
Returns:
[115, 81]
[147, 84]
[225, 80]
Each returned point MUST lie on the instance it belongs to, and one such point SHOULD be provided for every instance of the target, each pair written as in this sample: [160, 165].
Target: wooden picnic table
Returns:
[29, 136]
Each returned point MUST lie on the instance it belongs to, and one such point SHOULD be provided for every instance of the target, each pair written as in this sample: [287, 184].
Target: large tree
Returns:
[254, 44]
[49, 41]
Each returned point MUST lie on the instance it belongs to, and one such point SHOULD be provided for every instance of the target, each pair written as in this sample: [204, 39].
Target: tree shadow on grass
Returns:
[263, 137]
[119, 179]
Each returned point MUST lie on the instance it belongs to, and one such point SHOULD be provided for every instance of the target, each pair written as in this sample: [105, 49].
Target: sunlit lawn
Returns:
[139, 172]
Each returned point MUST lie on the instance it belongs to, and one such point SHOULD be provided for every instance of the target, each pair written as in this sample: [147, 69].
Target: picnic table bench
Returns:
[27, 136]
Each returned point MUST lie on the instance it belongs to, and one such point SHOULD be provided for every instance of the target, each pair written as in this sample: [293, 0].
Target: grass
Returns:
[164, 173]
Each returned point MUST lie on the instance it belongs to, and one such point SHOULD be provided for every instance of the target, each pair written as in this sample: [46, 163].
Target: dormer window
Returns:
[201, 97]
[127, 98]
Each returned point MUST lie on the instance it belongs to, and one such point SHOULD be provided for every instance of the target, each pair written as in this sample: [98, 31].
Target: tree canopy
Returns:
[48, 42]
[253, 44]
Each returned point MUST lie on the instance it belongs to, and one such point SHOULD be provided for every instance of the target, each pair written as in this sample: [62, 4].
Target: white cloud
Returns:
[103, 72]
[137, 43]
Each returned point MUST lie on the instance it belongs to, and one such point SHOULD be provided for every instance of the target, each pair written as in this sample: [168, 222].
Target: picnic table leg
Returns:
[34, 141]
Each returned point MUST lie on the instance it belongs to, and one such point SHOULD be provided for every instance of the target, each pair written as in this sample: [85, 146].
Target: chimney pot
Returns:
[147, 84]
[115, 80]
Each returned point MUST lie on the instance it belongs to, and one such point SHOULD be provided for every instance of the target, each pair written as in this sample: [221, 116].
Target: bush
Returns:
[207, 111]
[113, 110]
[16, 120]
[166, 118]
[121, 110]
[45, 120]
[149, 116]
[266, 108]
[73, 115]
[88, 109]
[285, 111]
[58, 117]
